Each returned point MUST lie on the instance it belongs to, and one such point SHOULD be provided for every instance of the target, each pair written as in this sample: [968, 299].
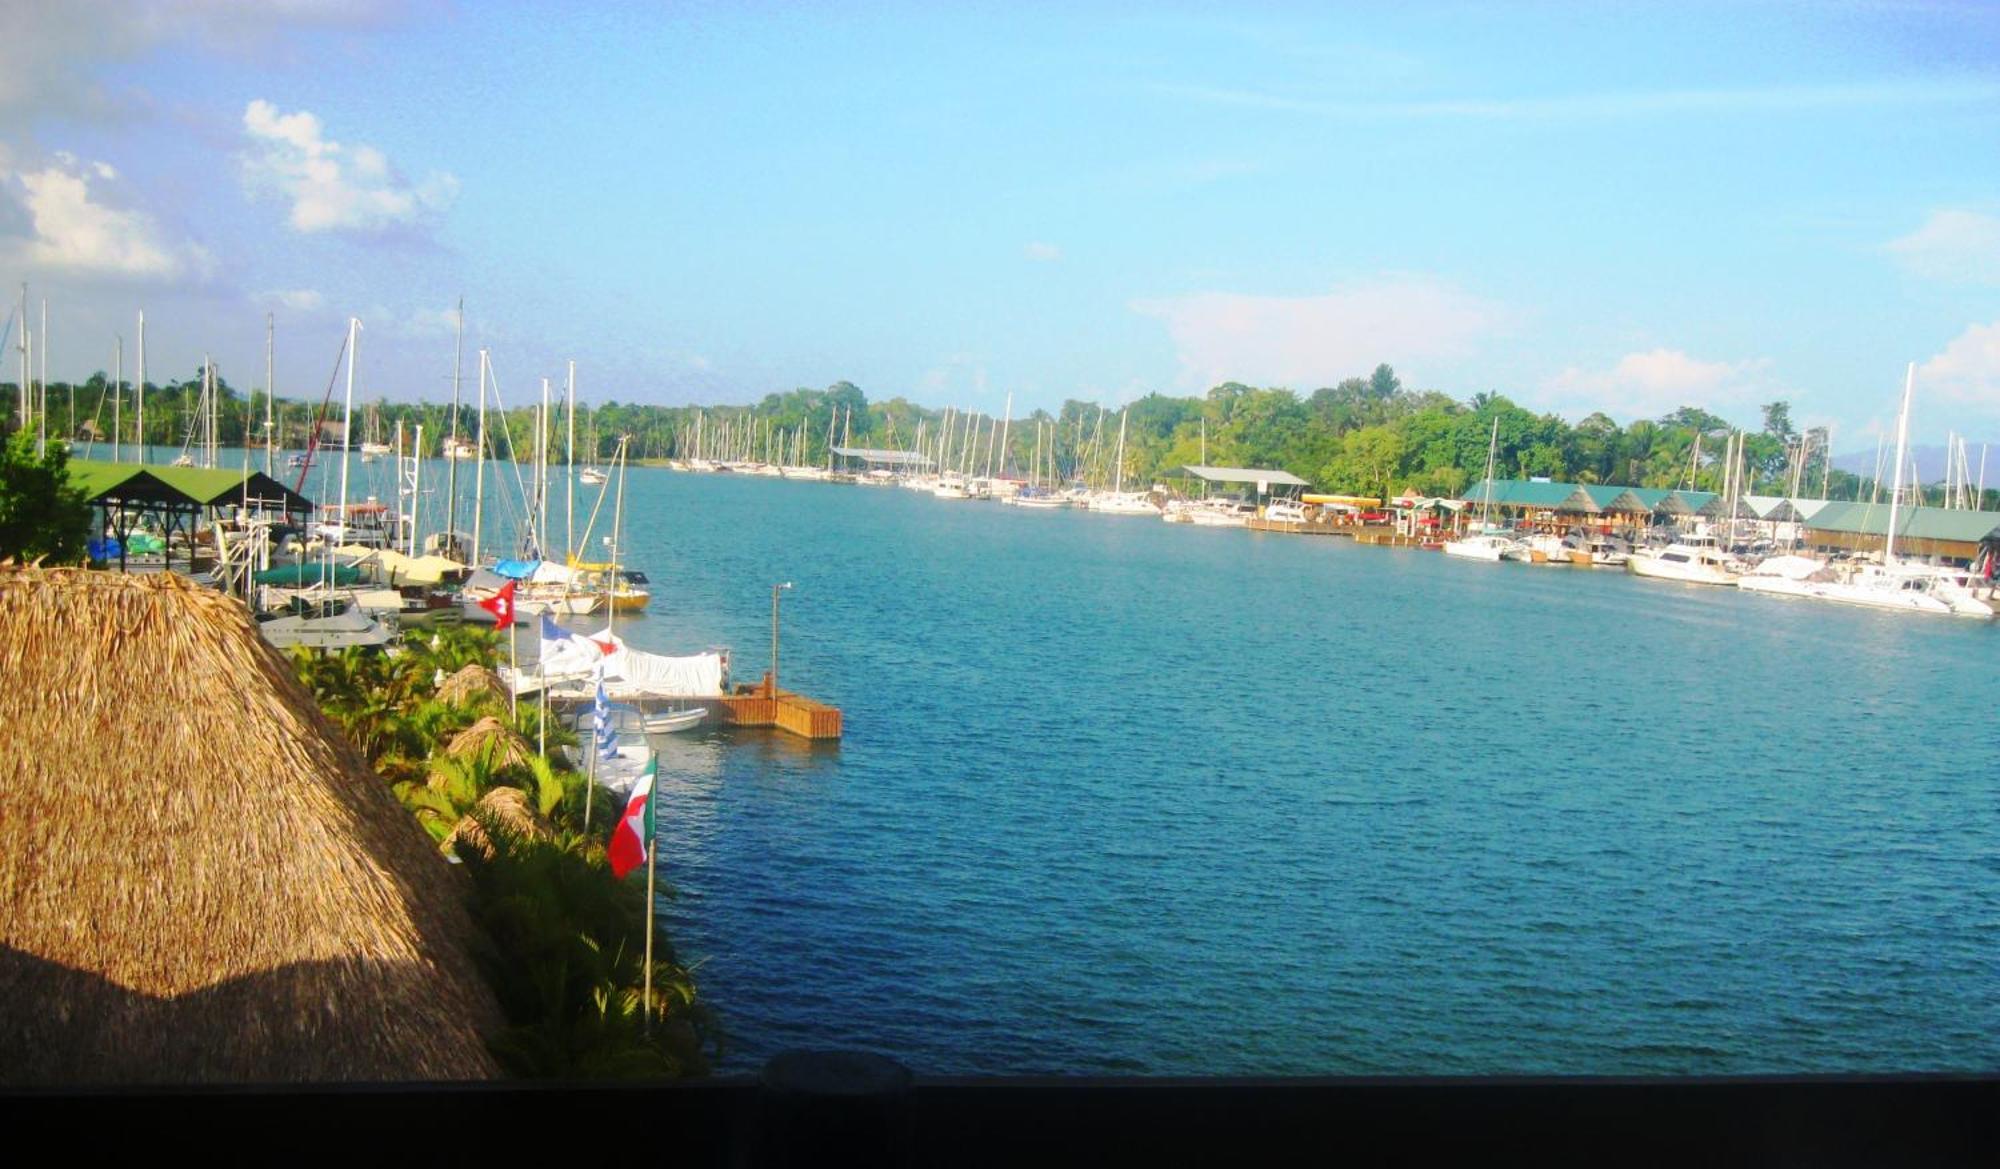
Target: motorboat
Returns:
[1488, 546]
[667, 722]
[1285, 511]
[1124, 503]
[338, 624]
[1690, 560]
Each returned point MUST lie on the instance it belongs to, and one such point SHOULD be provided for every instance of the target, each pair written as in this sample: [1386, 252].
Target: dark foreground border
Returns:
[747, 1121]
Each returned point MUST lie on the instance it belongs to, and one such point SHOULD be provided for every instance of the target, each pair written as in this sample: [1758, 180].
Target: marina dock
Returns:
[752, 704]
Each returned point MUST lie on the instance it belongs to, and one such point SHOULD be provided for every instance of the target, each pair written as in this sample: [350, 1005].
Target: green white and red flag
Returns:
[635, 827]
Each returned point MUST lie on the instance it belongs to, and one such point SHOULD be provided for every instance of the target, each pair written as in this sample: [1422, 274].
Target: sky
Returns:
[1624, 208]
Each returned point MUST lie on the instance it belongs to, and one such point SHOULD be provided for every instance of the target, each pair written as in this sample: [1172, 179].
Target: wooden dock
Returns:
[757, 706]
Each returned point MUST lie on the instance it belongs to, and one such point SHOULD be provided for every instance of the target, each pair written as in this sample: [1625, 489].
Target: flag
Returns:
[600, 715]
[635, 827]
[553, 632]
[501, 605]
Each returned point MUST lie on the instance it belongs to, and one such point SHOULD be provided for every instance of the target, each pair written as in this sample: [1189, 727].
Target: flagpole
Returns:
[514, 667]
[652, 847]
[596, 731]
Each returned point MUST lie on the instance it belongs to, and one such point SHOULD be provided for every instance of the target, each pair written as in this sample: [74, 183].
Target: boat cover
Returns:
[516, 569]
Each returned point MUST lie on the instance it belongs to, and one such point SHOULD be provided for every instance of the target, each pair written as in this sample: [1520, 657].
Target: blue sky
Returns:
[1617, 207]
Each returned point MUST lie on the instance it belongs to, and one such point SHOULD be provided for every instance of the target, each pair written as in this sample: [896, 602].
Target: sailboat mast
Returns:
[1120, 488]
[479, 463]
[117, 399]
[451, 449]
[1902, 450]
[140, 429]
[569, 472]
[1492, 450]
[270, 392]
[347, 419]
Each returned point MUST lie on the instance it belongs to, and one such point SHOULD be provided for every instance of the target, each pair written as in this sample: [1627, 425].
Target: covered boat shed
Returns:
[885, 459]
[1950, 533]
[1264, 479]
[176, 498]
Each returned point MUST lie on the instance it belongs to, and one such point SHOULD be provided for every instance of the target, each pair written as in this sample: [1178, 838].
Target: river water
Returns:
[1118, 796]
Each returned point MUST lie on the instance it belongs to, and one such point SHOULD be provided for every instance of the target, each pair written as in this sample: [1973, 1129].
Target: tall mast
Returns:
[1120, 488]
[140, 434]
[1902, 451]
[479, 465]
[22, 400]
[451, 449]
[1492, 451]
[569, 472]
[270, 392]
[1006, 427]
[1826, 463]
[42, 402]
[347, 420]
[117, 398]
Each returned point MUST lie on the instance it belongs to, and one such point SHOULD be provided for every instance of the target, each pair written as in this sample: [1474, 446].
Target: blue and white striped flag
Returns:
[600, 716]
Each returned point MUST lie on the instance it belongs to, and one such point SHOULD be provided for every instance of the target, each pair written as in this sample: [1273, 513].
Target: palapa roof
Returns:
[491, 740]
[200, 880]
[472, 683]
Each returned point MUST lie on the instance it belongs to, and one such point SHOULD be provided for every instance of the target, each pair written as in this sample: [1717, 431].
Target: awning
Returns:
[1264, 478]
[1341, 500]
[883, 458]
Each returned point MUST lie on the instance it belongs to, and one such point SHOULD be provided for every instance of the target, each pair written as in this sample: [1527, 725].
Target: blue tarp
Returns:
[517, 569]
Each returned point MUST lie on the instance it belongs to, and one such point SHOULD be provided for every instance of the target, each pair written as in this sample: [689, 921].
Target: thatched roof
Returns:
[504, 810]
[492, 740]
[472, 684]
[200, 880]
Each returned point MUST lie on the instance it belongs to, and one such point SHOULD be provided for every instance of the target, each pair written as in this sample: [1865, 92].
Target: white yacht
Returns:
[1691, 560]
[1124, 503]
[1489, 546]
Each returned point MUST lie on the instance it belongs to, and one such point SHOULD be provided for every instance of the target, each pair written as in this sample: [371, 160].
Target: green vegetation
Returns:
[1367, 435]
[42, 516]
[565, 942]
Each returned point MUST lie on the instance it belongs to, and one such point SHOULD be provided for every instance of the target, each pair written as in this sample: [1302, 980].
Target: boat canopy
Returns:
[431, 569]
[1341, 500]
[876, 457]
[296, 576]
[1264, 478]
[515, 569]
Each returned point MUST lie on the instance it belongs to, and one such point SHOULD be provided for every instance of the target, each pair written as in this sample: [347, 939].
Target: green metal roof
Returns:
[1527, 493]
[182, 486]
[1920, 523]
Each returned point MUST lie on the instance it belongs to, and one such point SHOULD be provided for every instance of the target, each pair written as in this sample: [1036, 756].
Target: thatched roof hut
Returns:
[472, 685]
[200, 879]
[491, 740]
[503, 811]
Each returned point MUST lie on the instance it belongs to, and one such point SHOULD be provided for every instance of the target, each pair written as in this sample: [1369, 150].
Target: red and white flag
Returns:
[501, 605]
[635, 827]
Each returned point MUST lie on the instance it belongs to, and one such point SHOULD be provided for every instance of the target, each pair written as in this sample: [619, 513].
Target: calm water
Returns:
[1124, 797]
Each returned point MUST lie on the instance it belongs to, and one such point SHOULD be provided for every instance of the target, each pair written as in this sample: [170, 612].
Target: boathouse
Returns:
[1946, 533]
[205, 883]
[173, 500]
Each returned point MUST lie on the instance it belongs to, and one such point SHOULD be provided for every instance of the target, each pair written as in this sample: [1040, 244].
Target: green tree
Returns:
[43, 516]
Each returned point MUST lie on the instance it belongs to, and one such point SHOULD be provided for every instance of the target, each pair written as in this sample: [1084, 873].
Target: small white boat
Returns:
[1486, 546]
[1695, 560]
[1285, 511]
[667, 722]
[1124, 503]
[590, 477]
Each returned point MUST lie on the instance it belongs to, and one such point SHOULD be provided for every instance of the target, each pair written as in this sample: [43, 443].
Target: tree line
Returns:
[1365, 435]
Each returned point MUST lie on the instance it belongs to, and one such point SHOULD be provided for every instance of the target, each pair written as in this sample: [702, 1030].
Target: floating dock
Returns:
[752, 704]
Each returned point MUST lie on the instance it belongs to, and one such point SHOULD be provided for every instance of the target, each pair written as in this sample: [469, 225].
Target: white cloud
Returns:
[1954, 246]
[299, 299]
[1047, 253]
[69, 232]
[331, 186]
[1967, 372]
[1303, 341]
[1657, 382]
[1611, 105]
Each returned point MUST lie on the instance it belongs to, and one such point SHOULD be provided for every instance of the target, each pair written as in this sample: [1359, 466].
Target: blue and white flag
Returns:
[600, 717]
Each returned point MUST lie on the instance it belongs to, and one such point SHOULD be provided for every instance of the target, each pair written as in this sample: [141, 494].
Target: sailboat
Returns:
[1902, 584]
[372, 446]
[1487, 544]
[1118, 501]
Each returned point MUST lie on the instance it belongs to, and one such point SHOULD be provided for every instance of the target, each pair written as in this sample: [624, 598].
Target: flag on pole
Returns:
[600, 715]
[634, 834]
[501, 605]
[553, 632]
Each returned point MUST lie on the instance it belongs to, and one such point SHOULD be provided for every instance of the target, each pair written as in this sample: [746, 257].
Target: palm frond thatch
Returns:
[471, 686]
[200, 879]
[502, 811]
[491, 740]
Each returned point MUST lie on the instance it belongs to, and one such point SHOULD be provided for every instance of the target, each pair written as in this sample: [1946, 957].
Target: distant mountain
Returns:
[1930, 462]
